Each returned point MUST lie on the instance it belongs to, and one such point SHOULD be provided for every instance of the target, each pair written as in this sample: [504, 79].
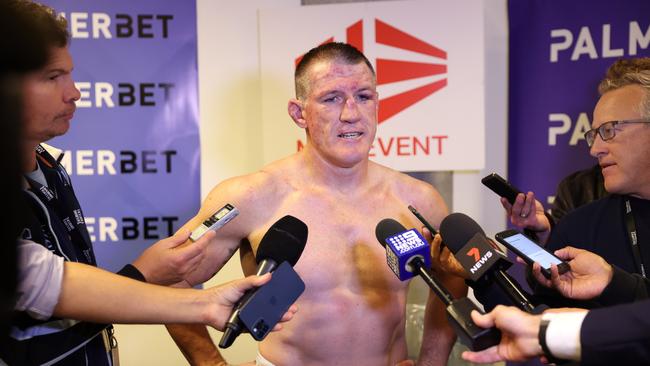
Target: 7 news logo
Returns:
[478, 255]
[392, 71]
[479, 260]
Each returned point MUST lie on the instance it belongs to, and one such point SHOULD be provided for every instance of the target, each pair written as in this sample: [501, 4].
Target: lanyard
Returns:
[630, 224]
[60, 196]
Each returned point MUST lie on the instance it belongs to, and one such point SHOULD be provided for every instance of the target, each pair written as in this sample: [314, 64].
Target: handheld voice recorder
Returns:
[216, 221]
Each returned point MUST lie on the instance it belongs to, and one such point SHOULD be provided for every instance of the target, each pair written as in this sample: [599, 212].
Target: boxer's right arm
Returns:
[196, 345]
[194, 340]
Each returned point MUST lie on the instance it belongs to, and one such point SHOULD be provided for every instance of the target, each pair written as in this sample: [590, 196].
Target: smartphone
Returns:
[501, 187]
[216, 221]
[530, 252]
[423, 221]
[265, 307]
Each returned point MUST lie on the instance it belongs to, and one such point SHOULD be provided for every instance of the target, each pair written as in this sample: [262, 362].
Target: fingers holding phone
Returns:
[588, 276]
[567, 284]
[527, 212]
[575, 273]
[523, 209]
[442, 260]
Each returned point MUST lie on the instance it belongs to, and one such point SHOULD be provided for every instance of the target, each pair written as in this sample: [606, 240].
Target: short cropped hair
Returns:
[634, 71]
[338, 51]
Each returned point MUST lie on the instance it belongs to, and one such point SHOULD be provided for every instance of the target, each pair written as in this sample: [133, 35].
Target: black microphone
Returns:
[482, 259]
[407, 254]
[284, 241]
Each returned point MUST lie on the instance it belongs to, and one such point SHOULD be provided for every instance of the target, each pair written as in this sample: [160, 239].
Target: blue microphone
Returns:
[408, 255]
[403, 250]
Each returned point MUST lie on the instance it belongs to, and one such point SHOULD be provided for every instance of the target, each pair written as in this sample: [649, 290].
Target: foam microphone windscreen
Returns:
[386, 228]
[284, 241]
[457, 229]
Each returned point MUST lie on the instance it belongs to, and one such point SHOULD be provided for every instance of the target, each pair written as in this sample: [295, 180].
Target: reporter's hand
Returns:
[224, 297]
[442, 259]
[587, 278]
[527, 212]
[519, 335]
[168, 261]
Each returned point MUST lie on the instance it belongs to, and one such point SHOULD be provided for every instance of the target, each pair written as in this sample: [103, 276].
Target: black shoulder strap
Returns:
[630, 225]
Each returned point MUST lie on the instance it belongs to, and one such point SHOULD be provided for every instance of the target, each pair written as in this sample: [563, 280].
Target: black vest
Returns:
[55, 220]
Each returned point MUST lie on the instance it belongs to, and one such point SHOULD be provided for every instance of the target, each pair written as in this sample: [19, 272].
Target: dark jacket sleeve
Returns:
[624, 288]
[617, 335]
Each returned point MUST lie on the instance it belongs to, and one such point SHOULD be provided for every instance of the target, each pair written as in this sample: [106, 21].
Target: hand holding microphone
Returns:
[284, 241]
[519, 339]
[442, 260]
[484, 263]
[408, 255]
[225, 297]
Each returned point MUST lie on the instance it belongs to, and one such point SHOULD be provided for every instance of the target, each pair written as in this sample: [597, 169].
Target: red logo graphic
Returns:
[390, 71]
[474, 253]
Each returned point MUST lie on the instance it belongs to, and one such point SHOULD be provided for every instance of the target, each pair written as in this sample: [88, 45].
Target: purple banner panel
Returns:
[133, 146]
[559, 51]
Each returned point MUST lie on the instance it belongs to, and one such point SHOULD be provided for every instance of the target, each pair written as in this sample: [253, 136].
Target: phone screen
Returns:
[533, 251]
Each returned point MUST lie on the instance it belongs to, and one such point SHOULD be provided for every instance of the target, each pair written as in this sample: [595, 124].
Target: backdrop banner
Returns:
[559, 51]
[133, 147]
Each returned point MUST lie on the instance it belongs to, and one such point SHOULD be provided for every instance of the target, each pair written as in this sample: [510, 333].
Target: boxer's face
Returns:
[340, 111]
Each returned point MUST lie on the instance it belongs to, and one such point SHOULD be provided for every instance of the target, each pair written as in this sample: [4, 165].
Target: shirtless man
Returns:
[353, 310]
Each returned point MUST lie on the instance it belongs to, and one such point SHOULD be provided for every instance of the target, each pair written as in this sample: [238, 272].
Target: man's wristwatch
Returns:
[541, 337]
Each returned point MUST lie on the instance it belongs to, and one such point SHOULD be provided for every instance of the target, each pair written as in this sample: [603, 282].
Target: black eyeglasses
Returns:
[607, 130]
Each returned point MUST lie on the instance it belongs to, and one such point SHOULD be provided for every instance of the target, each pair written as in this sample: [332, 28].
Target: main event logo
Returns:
[391, 71]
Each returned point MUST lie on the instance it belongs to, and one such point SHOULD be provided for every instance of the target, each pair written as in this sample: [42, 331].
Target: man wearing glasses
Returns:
[616, 227]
